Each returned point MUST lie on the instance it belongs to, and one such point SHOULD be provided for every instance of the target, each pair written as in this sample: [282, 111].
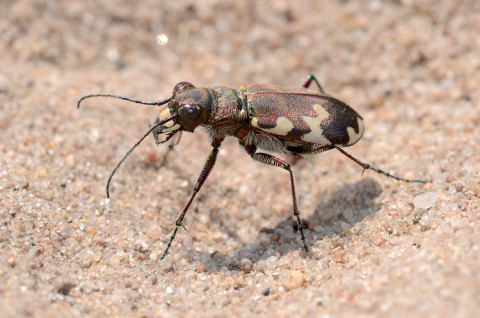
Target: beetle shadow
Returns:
[344, 208]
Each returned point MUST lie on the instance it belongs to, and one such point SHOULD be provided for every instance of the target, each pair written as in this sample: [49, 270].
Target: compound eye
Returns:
[189, 113]
[182, 87]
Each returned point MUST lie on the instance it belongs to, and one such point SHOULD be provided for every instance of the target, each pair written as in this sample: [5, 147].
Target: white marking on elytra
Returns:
[352, 135]
[282, 127]
[316, 135]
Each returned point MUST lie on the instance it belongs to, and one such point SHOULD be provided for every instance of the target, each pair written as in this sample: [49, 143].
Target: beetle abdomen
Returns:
[310, 118]
[344, 126]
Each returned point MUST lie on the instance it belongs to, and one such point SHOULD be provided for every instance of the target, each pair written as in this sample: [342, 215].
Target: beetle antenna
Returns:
[158, 103]
[134, 146]
[367, 166]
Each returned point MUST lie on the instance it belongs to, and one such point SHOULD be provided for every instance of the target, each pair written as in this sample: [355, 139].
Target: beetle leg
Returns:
[367, 166]
[207, 168]
[174, 142]
[309, 80]
[277, 162]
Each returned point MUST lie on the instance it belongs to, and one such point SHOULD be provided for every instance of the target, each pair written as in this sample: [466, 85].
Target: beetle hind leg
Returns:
[366, 166]
[277, 162]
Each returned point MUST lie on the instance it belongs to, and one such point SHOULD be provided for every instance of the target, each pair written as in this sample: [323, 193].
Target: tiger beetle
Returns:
[283, 119]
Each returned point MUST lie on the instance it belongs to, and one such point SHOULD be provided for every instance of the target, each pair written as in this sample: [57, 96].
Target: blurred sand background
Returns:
[379, 248]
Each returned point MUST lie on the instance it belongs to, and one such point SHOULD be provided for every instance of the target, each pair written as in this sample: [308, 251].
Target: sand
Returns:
[378, 247]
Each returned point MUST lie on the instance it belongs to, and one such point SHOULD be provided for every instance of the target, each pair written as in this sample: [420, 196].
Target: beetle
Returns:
[283, 119]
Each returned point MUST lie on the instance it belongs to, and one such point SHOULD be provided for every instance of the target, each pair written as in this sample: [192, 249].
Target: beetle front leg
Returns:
[277, 162]
[209, 164]
[170, 148]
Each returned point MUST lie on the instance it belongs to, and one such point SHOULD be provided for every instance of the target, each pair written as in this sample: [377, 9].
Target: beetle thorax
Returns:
[228, 112]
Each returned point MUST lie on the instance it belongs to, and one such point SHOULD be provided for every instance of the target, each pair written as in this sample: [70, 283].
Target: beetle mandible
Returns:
[283, 119]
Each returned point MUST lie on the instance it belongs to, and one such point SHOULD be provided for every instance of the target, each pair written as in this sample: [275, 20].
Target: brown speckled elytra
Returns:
[290, 120]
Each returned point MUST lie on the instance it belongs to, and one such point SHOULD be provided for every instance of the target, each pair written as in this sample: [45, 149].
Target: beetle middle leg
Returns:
[207, 168]
[277, 162]
[310, 78]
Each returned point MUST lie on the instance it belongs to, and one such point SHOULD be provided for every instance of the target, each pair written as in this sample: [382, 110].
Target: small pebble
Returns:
[294, 280]
[458, 223]
[425, 201]
[337, 256]
[318, 229]
[3, 84]
[445, 227]
[245, 265]
[459, 187]
[166, 265]
[266, 230]
[419, 213]
[274, 237]
[313, 224]
[92, 230]
[394, 241]
[70, 161]
[11, 259]
[81, 186]
[140, 247]
[42, 173]
[266, 291]
[200, 267]
[379, 240]
[154, 232]
[96, 256]
[154, 279]
[48, 195]
[425, 221]
[65, 288]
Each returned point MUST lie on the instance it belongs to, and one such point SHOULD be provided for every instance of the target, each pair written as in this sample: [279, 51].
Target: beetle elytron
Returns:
[290, 120]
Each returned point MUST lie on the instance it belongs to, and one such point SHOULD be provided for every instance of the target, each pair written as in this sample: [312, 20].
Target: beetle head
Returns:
[188, 108]
[191, 107]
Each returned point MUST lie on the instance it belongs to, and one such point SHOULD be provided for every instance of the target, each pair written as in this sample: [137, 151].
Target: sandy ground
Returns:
[379, 247]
